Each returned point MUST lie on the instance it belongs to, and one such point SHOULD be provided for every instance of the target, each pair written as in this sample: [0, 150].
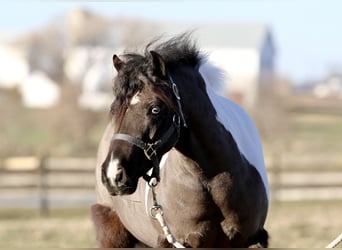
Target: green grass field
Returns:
[290, 224]
[316, 133]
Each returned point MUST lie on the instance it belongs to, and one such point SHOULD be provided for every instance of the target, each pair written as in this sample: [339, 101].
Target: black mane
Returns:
[179, 49]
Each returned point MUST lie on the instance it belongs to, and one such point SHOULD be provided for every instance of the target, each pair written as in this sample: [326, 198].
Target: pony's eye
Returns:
[155, 110]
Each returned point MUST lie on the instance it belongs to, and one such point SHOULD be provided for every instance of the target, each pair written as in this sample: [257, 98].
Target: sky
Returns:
[307, 33]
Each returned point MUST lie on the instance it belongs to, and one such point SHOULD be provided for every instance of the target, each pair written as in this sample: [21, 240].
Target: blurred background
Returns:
[283, 60]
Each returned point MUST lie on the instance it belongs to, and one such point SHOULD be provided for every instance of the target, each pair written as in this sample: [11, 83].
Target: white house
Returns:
[91, 67]
[245, 51]
[39, 91]
[14, 67]
[330, 87]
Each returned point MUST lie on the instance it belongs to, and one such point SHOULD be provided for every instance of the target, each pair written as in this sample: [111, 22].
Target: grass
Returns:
[316, 133]
[64, 130]
[290, 224]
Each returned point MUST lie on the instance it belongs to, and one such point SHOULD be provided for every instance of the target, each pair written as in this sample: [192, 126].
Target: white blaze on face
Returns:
[135, 99]
[112, 169]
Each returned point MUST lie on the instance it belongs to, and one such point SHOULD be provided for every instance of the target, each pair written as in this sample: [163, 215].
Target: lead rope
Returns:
[157, 213]
[335, 242]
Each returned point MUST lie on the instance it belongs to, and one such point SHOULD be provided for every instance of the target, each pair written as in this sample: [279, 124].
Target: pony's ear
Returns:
[117, 63]
[158, 64]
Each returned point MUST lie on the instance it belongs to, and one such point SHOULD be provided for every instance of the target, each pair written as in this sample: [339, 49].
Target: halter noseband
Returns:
[150, 149]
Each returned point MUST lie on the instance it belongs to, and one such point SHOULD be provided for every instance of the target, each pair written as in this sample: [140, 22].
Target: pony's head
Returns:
[146, 118]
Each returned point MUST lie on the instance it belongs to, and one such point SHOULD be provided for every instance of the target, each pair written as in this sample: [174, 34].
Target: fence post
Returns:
[43, 187]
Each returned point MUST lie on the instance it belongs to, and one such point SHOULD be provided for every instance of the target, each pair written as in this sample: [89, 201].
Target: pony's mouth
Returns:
[118, 185]
[122, 190]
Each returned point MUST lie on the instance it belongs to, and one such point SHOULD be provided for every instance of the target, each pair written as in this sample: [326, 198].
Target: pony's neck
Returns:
[205, 137]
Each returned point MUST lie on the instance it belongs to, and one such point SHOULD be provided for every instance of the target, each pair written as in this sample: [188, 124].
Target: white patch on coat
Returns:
[237, 122]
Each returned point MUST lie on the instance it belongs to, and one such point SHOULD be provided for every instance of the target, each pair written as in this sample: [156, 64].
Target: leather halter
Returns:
[150, 149]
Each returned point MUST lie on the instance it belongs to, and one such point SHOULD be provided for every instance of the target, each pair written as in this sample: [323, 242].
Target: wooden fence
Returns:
[45, 182]
[49, 181]
[305, 177]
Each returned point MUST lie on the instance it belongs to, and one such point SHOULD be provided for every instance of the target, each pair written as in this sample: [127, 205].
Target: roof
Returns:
[224, 34]
[133, 33]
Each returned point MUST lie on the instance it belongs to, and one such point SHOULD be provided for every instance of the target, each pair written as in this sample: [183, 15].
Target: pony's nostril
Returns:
[103, 177]
[119, 176]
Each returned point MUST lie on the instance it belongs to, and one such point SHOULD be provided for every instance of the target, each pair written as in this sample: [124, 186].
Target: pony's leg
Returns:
[110, 232]
[163, 243]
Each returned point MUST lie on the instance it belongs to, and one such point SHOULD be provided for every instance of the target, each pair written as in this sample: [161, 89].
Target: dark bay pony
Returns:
[204, 149]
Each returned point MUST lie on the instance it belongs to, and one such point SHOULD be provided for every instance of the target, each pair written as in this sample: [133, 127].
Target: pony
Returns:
[200, 152]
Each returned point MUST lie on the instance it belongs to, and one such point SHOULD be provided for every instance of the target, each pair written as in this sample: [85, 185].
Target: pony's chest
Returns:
[192, 216]
[185, 198]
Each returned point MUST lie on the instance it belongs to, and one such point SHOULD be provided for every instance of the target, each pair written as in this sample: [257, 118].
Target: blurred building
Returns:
[39, 91]
[77, 48]
[246, 52]
[14, 67]
[329, 87]
[91, 68]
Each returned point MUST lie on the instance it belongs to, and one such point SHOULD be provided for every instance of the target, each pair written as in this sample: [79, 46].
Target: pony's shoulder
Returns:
[238, 123]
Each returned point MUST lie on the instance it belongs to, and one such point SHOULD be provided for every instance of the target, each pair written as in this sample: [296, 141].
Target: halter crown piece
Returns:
[176, 93]
[150, 149]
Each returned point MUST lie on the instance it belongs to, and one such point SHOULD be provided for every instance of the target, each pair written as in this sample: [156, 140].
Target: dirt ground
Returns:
[290, 225]
[304, 224]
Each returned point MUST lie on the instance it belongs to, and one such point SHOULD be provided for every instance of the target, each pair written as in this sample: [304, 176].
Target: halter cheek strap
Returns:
[150, 149]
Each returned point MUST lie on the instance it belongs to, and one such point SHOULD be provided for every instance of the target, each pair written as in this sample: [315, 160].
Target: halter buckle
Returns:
[176, 121]
[155, 209]
[150, 152]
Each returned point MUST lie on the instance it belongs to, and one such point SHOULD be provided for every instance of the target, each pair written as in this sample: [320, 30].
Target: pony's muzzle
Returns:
[115, 179]
[115, 173]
